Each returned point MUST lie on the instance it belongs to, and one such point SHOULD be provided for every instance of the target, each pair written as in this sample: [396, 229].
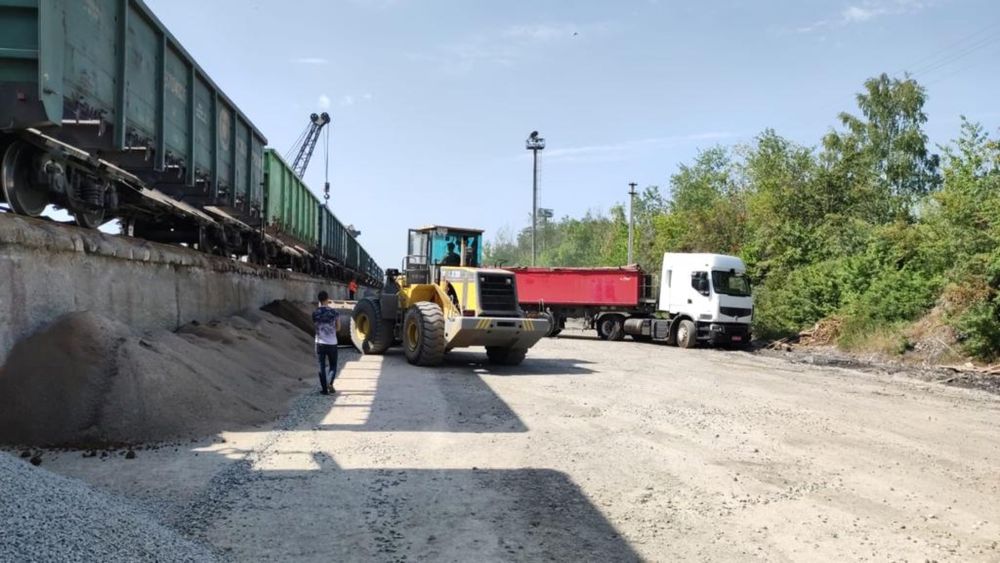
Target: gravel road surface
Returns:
[589, 451]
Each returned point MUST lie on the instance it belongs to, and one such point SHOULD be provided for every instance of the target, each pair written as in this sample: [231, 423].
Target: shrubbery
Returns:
[869, 227]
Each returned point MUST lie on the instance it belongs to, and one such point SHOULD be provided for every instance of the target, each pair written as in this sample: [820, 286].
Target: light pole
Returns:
[544, 214]
[534, 144]
[631, 223]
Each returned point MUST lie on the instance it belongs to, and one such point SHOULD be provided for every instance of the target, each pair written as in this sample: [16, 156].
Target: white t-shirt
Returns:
[325, 319]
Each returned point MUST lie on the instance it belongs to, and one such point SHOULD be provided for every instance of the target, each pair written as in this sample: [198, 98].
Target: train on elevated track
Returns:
[104, 114]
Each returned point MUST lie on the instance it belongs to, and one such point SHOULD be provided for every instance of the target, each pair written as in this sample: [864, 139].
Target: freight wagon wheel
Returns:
[423, 334]
[610, 327]
[90, 218]
[687, 335]
[24, 196]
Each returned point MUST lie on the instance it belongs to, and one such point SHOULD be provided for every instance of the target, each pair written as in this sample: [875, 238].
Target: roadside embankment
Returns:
[49, 270]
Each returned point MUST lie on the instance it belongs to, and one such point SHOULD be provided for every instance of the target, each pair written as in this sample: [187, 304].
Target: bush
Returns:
[979, 330]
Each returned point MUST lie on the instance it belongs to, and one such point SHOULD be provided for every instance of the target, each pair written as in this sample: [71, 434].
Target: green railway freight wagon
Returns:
[296, 216]
[107, 77]
[292, 210]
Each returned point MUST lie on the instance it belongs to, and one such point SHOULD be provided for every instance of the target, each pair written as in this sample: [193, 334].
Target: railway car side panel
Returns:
[142, 69]
[90, 59]
[177, 108]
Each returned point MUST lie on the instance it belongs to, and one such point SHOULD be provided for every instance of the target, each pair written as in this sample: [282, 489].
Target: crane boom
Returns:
[309, 140]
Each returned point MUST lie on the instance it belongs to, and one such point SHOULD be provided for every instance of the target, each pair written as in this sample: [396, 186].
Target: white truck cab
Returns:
[712, 291]
[704, 298]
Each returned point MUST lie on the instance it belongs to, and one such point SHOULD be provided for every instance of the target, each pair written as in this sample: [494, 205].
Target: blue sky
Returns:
[432, 100]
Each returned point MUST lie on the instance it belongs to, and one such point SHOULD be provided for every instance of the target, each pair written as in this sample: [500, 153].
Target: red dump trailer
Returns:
[603, 297]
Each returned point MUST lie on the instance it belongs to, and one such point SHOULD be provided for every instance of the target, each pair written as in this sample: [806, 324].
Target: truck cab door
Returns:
[699, 294]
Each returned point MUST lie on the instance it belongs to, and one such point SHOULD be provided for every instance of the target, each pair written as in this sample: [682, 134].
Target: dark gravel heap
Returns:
[47, 517]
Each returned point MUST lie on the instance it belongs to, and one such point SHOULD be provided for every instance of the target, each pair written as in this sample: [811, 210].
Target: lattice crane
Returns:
[306, 144]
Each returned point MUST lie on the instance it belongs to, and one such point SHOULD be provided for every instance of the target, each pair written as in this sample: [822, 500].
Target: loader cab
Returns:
[431, 247]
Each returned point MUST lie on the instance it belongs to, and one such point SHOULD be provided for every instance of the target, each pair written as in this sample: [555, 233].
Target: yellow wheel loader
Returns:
[442, 299]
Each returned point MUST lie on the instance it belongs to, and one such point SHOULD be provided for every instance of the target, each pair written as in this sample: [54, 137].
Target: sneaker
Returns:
[324, 392]
[332, 390]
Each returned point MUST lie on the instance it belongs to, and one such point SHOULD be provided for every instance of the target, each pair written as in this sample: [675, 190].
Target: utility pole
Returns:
[534, 144]
[631, 222]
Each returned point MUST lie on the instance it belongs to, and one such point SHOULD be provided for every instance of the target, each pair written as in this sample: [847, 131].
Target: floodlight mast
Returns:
[631, 222]
[534, 143]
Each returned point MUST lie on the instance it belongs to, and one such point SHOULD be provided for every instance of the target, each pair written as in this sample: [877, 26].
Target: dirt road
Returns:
[591, 450]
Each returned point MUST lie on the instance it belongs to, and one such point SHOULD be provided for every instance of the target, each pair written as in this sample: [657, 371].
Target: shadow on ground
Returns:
[418, 514]
[475, 362]
[387, 394]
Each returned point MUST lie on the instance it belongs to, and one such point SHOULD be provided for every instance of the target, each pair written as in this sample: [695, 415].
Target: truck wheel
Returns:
[506, 356]
[610, 327]
[553, 328]
[687, 334]
[423, 334]
[369, 332]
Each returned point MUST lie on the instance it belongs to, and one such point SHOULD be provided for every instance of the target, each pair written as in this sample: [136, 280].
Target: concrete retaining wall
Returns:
[47, 270]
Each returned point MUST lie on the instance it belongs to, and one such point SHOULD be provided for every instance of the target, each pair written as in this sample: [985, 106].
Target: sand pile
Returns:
[87, 380]
[300, 313]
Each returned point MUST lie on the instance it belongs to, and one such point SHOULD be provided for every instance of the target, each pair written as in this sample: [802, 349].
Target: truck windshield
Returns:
[729, 283]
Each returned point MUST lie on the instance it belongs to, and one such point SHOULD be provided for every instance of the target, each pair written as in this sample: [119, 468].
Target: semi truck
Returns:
[697, 299]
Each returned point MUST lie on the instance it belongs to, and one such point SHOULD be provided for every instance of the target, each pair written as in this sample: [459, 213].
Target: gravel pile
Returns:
[47, 517]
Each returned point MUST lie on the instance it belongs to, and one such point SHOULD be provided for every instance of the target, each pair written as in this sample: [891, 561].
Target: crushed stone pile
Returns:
[47, 517]
[87, 381]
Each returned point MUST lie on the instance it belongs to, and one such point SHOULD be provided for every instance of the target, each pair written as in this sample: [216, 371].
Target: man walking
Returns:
[327, 322]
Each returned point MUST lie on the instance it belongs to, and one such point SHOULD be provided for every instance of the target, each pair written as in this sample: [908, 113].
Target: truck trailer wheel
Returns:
[423, 334]
[369, 332]
[553, 327]
[610, 327]
[687, 334]
[506, 356]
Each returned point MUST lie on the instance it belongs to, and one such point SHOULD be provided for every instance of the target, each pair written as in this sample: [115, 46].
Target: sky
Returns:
[432, 100]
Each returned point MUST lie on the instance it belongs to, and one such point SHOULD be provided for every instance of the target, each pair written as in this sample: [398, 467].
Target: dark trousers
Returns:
[326, 352]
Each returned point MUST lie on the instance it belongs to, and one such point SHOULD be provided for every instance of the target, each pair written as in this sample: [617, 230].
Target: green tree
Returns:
[881, 158]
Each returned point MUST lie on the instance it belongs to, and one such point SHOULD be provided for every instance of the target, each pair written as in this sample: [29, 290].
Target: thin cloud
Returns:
[508, 46]
[626, 149]
[865, 11]
[323, 101]
[542, 32]
[855, 14]
[346, 101]
[309, 61]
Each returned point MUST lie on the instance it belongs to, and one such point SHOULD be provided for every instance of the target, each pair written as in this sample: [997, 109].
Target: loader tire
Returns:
[504, 356]
[370, 333]
[423, 334]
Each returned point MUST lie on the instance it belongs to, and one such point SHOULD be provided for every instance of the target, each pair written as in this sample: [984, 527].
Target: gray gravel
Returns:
[47, 517]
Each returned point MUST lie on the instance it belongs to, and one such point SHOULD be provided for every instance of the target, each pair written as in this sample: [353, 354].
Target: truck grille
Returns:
[497, 295]
[735, 312]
